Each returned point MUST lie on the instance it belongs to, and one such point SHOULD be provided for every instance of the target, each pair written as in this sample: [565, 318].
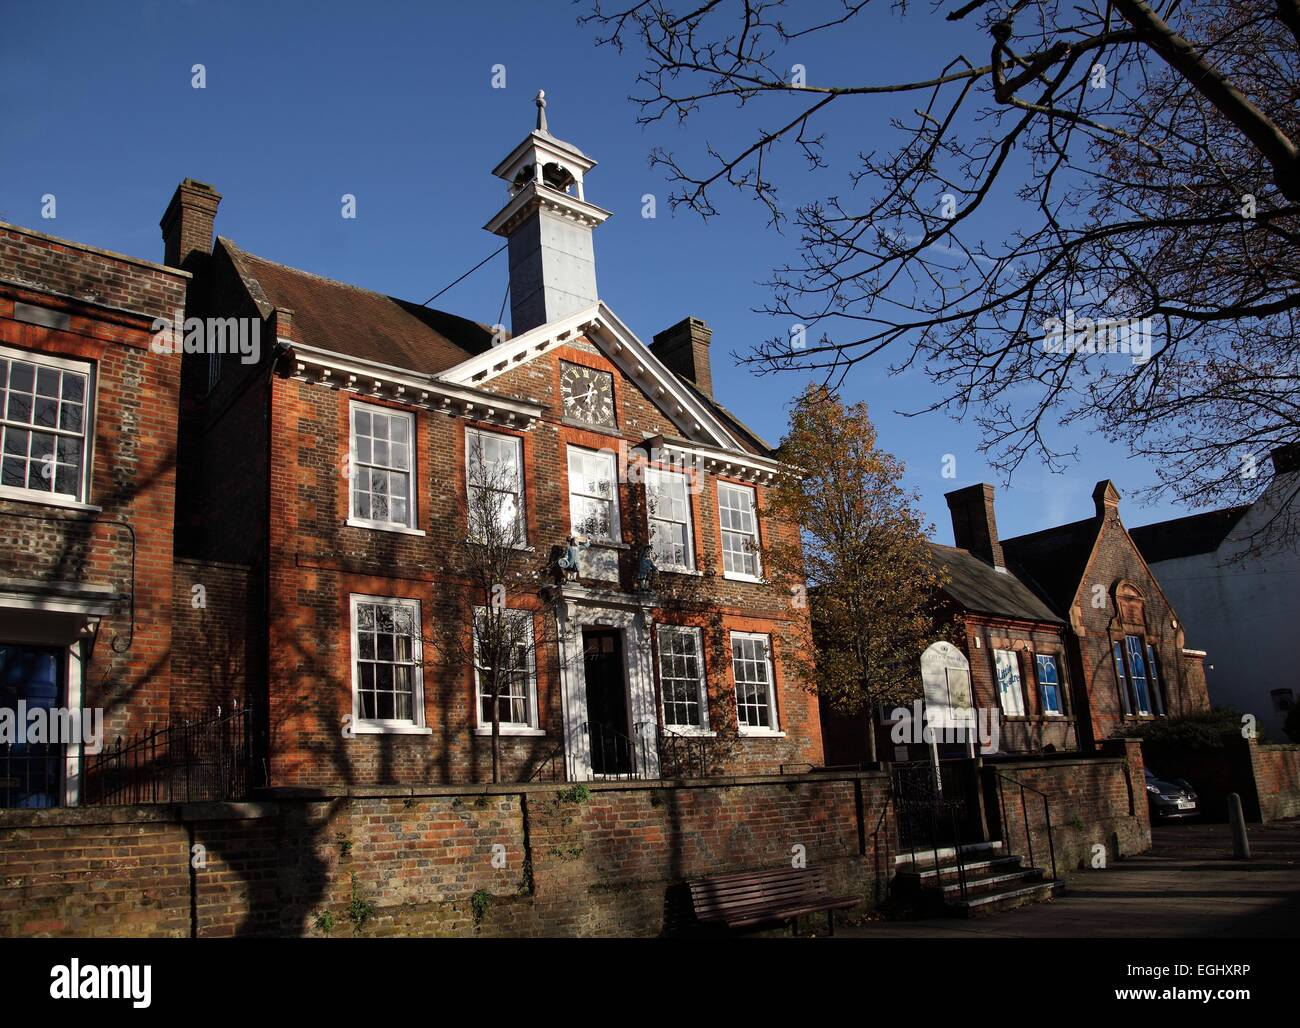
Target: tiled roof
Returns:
[749, 439]
[1184, 537]
[978, 587]
[1053, 561]
[356, 322]
[349, 320]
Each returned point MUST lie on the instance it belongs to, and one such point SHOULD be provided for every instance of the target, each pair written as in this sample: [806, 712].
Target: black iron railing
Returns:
[932, 809]
[550, 768]
[30, 774]
[190, 762]
[1024, 817]
[685, 756]
[613, 754]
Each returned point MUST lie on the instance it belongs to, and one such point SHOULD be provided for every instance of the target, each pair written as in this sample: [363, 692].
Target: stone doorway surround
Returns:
[631, 616]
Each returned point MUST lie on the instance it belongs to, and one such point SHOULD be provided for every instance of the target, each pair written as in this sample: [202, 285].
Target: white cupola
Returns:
[548, 224]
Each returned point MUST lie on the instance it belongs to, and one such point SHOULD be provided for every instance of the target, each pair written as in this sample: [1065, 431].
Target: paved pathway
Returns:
[1188, 886]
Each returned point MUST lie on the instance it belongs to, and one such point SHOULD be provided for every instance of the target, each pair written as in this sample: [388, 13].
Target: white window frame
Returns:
[389, 726]
[652, 477]
[662, 633]
[1135, 646]
[87, 434]
[615, 525]
[1014, 660]
[521, 519]
[216, 364]
[354, 466]
[1060, 698]
[507, 727]
[773, 729]
[740, 576]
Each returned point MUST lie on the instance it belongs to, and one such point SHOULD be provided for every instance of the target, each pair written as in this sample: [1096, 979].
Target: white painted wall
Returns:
[1245, 614]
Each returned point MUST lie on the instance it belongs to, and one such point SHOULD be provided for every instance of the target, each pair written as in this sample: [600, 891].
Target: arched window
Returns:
[1141, 685]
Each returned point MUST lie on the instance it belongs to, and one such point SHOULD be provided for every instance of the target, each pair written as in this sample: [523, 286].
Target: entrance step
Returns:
[973, 851]
[983, 904]
[993, 882]
[926, 876]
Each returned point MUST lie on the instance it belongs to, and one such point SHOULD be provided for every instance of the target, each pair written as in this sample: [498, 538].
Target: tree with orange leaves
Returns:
[872, 587]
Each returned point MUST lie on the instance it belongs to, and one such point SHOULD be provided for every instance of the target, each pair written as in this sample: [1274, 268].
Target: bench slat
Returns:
[745, 898]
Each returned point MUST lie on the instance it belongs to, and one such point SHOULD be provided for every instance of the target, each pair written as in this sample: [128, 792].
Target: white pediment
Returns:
[693, 418]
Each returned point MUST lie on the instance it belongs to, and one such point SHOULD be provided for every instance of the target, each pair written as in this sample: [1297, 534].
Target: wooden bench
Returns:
[747, 899]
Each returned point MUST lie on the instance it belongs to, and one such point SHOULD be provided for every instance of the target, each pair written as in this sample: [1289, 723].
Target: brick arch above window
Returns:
[1130, 604]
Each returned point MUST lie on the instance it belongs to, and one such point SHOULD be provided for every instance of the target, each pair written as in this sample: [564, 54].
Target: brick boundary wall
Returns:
[1277, 780]
[1266, 776]
[601, 859]
[1093, 801]
[607, 859]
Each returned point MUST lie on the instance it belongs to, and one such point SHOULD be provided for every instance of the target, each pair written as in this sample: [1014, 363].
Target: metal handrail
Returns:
[1024, 815]
[183, 762]
[611, 739]
[696, 748]
[935, 806]
[548, 761]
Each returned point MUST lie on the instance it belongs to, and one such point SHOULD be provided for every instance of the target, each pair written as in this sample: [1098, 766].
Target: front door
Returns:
[607, 721]
[30, 772]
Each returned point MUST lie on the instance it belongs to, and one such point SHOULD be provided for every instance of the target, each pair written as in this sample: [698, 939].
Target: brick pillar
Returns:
[974, 525]
[188, 223]
[1241, 753]
[685, 349]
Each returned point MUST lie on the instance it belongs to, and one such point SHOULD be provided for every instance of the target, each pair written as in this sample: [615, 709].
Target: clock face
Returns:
[588, 394]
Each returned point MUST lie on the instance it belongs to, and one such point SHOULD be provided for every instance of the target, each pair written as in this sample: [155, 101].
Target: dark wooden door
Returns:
[607, 724]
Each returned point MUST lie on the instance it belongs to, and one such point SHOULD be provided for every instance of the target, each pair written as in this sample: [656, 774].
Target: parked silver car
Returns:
[1170, 798]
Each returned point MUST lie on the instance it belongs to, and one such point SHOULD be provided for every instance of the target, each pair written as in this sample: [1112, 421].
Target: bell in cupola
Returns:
[548, 225]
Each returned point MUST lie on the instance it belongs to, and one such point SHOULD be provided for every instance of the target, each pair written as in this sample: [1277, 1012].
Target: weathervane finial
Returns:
[541, 110]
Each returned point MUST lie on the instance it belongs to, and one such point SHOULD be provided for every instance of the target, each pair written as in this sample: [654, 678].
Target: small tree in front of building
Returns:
[872, 588]
[496, 564]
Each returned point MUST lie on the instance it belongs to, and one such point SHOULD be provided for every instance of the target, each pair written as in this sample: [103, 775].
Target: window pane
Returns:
[512, 637]
[593, 494]
[1122, 677]
[381, 446]
[386, 661]
[45, 412]
[739, 534]
[1008, 671]
[668, 512]
[753, 683]
[20, 408]
[681, 678]
[22, 377]
[1157, 694]
[495, 485]
[1049, 684]
[1137, 674]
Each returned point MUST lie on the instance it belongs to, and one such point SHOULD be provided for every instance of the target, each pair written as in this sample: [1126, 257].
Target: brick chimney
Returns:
[188, 223]
[974, 526]
[1105, 497]
[685, 349]
[1286, 459]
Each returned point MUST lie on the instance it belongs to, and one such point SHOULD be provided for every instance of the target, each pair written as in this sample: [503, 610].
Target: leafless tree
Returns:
[1144, 159]
[507, 595]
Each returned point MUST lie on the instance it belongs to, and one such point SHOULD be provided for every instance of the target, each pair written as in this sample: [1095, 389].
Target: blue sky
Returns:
[393, 103]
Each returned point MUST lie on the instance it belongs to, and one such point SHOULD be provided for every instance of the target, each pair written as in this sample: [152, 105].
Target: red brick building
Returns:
[1127, 651]
[88, 414]
[1016, 644]
[1064, 633]
[334, 468]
